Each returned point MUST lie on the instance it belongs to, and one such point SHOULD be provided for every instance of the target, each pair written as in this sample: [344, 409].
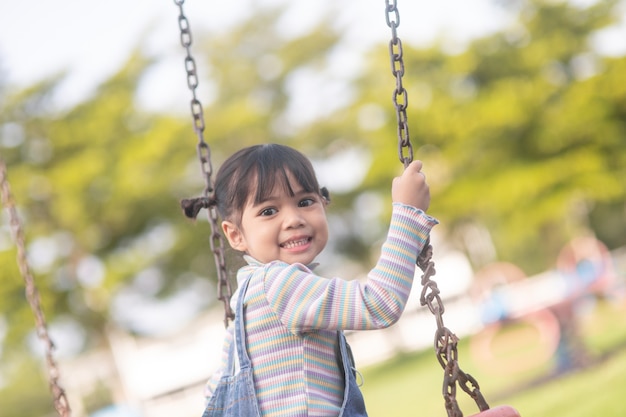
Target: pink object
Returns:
[500, 411]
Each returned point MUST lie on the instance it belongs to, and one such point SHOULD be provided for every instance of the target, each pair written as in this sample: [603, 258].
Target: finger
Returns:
[415, 166]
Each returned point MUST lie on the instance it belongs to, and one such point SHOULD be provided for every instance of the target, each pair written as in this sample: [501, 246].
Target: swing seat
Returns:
[499, 411]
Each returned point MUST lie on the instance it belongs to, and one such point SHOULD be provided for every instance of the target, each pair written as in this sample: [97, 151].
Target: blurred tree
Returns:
[24, 396]
[521, 133]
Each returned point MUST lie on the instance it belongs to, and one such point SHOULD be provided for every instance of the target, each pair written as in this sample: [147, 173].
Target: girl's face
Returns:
[285, 228]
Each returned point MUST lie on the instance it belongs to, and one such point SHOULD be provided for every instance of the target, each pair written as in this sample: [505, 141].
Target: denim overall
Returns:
[235, 396]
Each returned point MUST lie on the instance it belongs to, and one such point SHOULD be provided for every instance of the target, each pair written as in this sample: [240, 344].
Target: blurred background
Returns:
[516, 107]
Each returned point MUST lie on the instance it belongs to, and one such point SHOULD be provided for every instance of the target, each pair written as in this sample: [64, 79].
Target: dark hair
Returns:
[260, 167]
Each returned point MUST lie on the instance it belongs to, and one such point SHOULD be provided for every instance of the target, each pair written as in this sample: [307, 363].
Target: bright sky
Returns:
[91, 39]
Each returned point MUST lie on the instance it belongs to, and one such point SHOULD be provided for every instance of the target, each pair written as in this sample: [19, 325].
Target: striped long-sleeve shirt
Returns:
[292, 317]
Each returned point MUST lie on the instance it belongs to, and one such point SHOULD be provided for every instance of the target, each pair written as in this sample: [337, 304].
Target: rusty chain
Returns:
[400, 96]
[445, 341]
[224, 290]
[61, 403]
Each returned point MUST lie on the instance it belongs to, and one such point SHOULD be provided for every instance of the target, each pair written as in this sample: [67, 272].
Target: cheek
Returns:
[323, 225]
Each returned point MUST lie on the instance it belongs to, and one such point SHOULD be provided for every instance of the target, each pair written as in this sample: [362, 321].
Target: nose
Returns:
[293, 218]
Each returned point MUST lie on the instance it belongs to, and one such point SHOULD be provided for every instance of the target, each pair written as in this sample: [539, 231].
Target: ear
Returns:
[234, 236]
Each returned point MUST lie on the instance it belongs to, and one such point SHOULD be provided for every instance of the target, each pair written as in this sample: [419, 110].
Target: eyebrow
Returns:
[271, 198]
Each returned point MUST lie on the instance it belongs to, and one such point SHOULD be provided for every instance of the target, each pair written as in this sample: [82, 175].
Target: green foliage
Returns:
[28, 394]
[520, 132]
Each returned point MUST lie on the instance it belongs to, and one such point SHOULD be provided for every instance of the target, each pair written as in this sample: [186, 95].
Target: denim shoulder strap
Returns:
[240, 330]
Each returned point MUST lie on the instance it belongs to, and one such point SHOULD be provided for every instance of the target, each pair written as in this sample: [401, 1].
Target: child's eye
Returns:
[306, 202]
[268, 211]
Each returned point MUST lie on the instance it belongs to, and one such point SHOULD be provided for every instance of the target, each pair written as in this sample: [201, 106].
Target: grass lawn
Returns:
[411, 384]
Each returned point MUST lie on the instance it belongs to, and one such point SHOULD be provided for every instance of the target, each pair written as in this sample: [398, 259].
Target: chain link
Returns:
[445, 341]
[400, 96]
[224, 290]
[32, 295]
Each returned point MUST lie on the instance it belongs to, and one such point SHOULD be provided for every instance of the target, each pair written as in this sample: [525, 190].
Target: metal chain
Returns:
[445, 341]
[32, 295]
[400, 96]
[224, 290]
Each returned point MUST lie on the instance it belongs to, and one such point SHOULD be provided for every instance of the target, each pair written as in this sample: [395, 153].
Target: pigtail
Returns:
[325, 194]
[192, 206]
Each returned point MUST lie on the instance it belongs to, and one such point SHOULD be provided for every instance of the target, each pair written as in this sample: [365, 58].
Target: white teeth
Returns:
[294, 243]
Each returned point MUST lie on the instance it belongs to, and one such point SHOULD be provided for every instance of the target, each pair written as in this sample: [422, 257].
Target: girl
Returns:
[285, 354]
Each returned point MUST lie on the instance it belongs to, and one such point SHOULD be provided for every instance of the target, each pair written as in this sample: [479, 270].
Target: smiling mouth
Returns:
[295, 243]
